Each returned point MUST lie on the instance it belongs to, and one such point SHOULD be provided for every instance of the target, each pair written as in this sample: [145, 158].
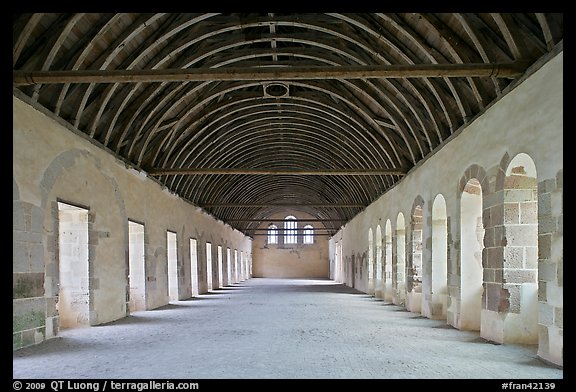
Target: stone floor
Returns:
[278, 329]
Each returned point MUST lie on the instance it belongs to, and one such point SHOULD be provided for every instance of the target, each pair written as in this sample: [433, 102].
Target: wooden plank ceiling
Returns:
[247, 114]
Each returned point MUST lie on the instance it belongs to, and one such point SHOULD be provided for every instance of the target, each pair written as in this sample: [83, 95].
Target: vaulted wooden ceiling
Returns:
[246, 114]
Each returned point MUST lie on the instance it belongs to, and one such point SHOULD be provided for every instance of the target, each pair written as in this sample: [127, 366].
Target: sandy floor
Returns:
[278, 329]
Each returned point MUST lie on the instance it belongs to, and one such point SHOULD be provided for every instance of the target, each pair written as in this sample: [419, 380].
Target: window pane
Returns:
[290, 230]
[272, 234]
[308, 234]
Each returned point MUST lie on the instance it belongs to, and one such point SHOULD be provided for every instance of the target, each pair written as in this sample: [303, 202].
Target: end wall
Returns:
[290, 260]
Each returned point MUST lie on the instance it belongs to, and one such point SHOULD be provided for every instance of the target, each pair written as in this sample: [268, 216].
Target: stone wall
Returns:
[54, 163]
[526, 121]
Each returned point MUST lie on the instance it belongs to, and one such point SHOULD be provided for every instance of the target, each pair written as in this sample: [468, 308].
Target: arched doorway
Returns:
[388, 247]
[398, 280]
[439, 297]
[379, 293]
[471, 246]
[370, 262]
[414, 263]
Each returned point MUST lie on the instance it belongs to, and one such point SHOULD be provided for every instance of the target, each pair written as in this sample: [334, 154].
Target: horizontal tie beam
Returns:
[499, 70]
[239, 205]
[299, 229]
[311, 234]
[281, 220]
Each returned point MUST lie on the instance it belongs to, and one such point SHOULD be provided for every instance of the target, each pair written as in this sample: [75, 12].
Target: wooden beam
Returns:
[501, 70]
[292, 172]
[260, 205]
[312, 234]
[282, 220]
[296, 231]
[385, 123]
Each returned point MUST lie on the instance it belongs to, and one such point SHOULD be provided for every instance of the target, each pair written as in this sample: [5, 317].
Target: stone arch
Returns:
[399, 262]
[414, 271]
[360, 268]
[520, 252]
[470, 257]
[107, 280]
[510, 257]
[352, 270]
[370, 260]
[388, 261]
[439, 258]
[379, 267]
[340, 264]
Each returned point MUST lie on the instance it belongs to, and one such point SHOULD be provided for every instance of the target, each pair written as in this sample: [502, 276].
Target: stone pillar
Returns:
[550, 270]
[509, 258]
[34, 316]
[426, 307]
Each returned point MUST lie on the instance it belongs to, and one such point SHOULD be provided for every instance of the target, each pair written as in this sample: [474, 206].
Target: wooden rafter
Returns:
[376, 92]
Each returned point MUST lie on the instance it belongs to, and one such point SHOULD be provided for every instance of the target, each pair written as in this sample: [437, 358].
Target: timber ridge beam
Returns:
[499, 70]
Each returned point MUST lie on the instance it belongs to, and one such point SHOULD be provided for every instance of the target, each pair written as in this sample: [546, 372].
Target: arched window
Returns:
[308, 234]
[272, 234]
[290, 230]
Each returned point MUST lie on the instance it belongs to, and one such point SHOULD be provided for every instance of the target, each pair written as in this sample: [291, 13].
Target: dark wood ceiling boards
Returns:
[243, 114]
